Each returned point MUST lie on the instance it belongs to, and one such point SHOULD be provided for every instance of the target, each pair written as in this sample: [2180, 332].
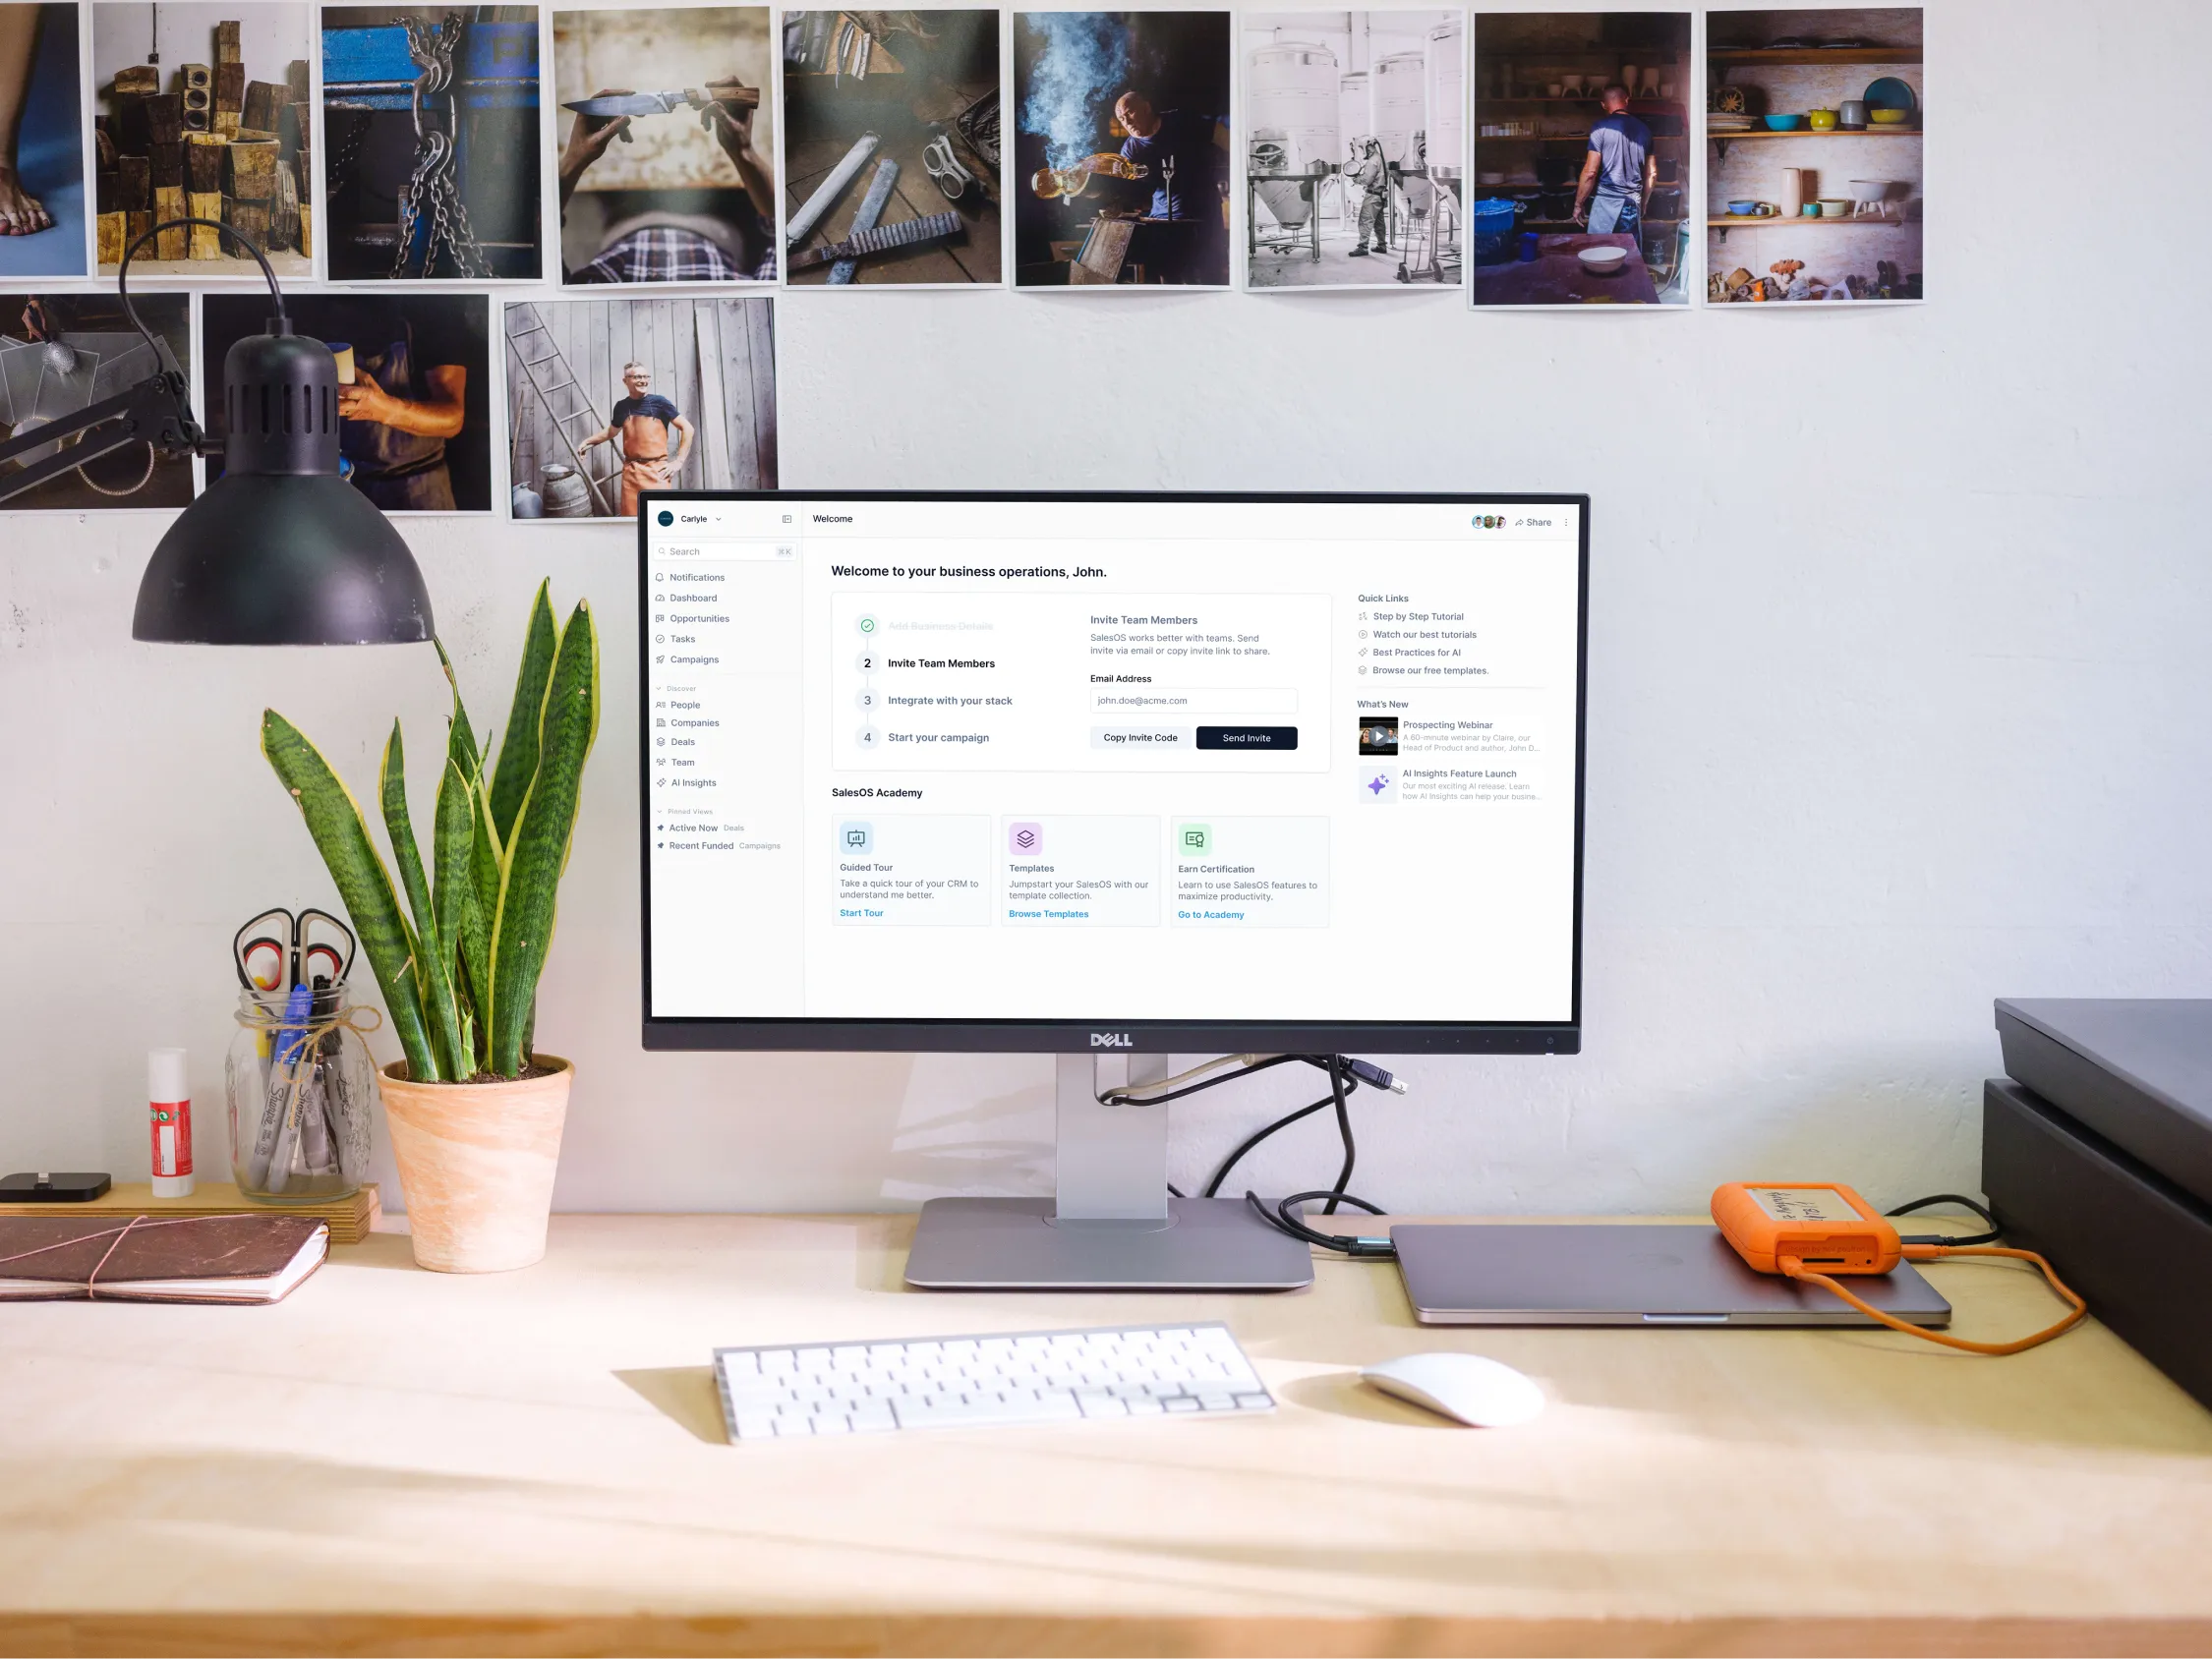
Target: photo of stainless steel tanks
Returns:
[1354, 135]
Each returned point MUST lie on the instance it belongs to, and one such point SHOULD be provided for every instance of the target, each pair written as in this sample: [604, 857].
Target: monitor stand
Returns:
[1112, 1227]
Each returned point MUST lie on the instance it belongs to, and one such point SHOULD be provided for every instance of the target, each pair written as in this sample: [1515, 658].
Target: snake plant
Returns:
[458, 965]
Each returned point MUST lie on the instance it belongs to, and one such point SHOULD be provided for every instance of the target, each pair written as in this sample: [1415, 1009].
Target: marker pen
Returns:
[169, 1112]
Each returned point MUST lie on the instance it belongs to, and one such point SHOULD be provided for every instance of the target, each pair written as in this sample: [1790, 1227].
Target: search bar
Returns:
[721, 552]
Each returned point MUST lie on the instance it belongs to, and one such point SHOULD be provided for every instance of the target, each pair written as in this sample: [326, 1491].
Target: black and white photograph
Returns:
[431, 129]
[414, 388]
[666, 136]
[607, 398]
[1121, 165]
[201, 110]
[891, 134]
[1354, 144]
[62, 352]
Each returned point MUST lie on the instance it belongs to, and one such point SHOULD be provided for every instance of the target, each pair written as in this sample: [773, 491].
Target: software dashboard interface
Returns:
[1084, 760]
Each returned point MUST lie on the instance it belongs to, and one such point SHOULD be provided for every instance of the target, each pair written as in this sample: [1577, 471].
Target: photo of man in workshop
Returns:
[431, 125]
[201, 110]
[665, 147]
[41, 143]
[1121, 148]
[891, 138]
[60, 352]
[413, 400]
[610, 397]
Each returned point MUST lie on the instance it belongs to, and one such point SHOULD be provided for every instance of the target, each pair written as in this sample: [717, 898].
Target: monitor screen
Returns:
[1159, 772]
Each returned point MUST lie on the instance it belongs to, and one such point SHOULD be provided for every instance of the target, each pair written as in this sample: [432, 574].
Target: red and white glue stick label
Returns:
[169, 1119]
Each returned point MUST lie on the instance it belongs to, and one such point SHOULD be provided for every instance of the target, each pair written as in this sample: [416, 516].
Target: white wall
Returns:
[1898, 700]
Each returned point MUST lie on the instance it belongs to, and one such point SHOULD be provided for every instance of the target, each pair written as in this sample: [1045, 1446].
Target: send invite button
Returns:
[1277, 737]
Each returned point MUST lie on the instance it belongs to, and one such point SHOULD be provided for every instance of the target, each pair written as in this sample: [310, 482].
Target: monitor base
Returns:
[1016, 1244]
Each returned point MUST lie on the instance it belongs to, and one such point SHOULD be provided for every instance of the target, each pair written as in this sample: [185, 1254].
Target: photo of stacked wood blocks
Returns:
[211, 145]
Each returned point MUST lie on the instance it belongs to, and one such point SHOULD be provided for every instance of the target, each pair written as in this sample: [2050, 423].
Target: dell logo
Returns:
[1112, 1040]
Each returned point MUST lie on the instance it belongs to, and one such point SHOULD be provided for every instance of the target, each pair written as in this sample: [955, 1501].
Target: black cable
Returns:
[1283, 1220]
[1963, 1202]
[1337, 1092]
[123, 274]
[1220, 1175]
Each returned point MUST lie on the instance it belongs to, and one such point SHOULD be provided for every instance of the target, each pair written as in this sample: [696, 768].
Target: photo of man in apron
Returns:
[640, 424]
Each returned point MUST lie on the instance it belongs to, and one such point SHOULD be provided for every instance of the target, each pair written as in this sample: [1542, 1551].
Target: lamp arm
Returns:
[155, 411]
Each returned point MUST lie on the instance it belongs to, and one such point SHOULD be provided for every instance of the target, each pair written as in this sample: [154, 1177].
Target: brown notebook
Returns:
[247, 1259]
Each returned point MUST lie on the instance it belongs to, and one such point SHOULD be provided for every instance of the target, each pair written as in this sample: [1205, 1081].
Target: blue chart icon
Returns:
[857, 837]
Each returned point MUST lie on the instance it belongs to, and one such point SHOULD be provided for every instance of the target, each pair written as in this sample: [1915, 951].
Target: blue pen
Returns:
[267, 1167]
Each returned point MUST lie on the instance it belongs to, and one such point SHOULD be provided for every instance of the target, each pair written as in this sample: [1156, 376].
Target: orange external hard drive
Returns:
[1824, 1225]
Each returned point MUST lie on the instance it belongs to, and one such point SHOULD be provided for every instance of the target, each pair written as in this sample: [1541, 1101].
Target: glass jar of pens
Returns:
[298, 1076]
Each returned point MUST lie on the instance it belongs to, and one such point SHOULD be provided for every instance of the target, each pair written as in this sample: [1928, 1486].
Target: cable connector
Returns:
[1374, 1075]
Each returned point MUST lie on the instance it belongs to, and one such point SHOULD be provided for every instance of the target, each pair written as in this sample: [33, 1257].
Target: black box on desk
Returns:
[2136, 1245]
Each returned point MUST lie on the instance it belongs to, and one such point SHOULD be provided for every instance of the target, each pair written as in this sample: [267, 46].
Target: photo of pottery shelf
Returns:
[201, 110]
[1814, 155]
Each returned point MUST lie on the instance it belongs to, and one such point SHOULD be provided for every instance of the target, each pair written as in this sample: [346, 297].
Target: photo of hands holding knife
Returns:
[662, 177]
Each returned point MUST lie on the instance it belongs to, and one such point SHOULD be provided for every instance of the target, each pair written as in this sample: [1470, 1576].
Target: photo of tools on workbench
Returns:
[1355, 141]
[202, 111]
[1813, 154]
[62, 352]
[890, 124]
[664, 144]
[41, 143]
[1582, 158]
[607, 398]
[431, 136]
[414, 390]
[1121, 148]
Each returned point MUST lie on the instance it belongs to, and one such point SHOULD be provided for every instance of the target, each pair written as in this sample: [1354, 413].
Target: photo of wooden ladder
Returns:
[561, 384]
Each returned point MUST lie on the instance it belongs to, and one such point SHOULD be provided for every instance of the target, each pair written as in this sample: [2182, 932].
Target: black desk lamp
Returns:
[281, 549]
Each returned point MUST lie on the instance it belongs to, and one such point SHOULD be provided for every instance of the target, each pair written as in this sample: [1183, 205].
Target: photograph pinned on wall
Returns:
[607, 398]
[455, 194]
[41, 143]
[1582, 159]
[201, 110]
[891, 139]
[414, 388]
[666, 146]
[1120, 161]
[62, 352]
[1354, 133]
[1814, 171]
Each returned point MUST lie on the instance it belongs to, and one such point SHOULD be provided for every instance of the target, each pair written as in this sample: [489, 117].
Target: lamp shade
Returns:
[281, 549]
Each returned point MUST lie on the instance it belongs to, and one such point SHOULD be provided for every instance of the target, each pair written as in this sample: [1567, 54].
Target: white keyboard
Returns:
[981, 1381]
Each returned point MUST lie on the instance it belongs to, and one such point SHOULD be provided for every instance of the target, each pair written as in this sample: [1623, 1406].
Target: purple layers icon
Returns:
[1024, 840]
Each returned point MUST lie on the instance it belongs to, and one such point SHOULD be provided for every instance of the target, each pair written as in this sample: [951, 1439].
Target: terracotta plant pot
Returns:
[477, 1161]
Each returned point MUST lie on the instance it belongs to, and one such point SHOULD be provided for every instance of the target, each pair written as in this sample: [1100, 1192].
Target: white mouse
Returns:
[1483, 1393]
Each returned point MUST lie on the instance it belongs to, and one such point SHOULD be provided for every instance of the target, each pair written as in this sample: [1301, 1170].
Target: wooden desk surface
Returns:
[400, 1462]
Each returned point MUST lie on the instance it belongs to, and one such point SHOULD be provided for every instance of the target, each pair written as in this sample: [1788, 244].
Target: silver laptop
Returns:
[1558, 1274]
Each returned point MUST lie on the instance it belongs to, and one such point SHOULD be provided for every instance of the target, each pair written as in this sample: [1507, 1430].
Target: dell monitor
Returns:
[1112, 777]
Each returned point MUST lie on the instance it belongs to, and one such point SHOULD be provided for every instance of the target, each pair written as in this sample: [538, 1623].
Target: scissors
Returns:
[276, 949]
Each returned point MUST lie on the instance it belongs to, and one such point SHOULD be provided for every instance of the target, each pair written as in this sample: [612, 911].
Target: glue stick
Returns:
[169, 1111]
